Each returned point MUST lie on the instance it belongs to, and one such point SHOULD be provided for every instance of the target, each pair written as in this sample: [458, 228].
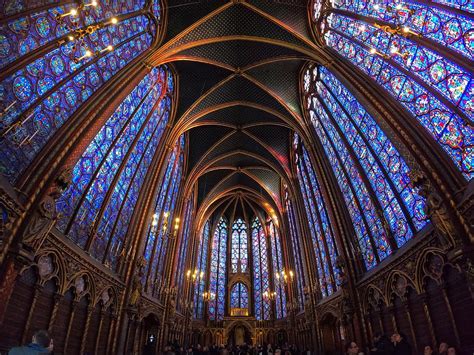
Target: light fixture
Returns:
[77, 34]
[269, 295]
[208, 296]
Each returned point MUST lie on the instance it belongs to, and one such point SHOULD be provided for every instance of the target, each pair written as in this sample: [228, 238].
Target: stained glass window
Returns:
[261, 274]
[239, 253]
[44, 90]
[187, 223]
[297, 253]
[217, 280]
[201, 266]
[419, 54]
[160, 228]
[107, 179]
[321, 232]
[239, 299]
[278, 269]
[366, 164]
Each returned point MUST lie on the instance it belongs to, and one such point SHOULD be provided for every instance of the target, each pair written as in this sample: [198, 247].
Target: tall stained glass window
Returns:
[261, 274]
[239, 300]
[107, 178]
[278, 268]
[399, 47]
[201, 266]
[239, 253]
[160, 227]
[297, 252]
[217, 280]
[321, 232]
[187, 223]
[373, 176]
[40, 92]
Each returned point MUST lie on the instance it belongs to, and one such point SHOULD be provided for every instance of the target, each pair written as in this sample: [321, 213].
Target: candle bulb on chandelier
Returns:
[87, 54]
[108, 48]
[72, 12]
[7, 108]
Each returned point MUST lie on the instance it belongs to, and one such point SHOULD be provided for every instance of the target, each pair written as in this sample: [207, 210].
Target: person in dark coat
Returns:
[40, 344]
[400, 343]
[382, 345]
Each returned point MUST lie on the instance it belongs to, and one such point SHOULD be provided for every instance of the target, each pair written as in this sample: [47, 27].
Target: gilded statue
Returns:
[137, 286]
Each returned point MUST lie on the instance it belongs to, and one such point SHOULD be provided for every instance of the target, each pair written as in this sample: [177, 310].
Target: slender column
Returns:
[71, 319]
[382, 327]
[450, 314]
[99, 331]
[38, 288]
[110, 341]
[410, 322]
[57, 298]
[391, 312]
[370, 333]
[90, 310]
[136, 336]
[428, 318]
[127, 335]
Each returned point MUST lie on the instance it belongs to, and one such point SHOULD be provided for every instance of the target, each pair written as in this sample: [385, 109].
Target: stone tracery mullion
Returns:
[128, 189]
[414, 78]
[103, 161]
[312, 196]
[357, 202]
[378, 207]
[319, 260]
[375, 156]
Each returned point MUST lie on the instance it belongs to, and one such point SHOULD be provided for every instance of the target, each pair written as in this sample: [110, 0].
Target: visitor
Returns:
[352, 348]
[443, 348]
[41, 343]
[452, 350]
[428, 350]
[400, 344]
[382, 345]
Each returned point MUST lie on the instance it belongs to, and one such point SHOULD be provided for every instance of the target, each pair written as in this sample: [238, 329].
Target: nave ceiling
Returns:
[238, 65]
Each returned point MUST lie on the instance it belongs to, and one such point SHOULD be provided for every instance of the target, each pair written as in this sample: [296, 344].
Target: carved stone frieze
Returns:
[78, 272]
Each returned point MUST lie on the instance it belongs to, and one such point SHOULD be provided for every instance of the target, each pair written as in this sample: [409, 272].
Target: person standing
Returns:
[401, 346]
[41, 343]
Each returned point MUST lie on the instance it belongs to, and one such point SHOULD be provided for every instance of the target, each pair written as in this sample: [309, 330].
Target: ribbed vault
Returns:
[238, 65]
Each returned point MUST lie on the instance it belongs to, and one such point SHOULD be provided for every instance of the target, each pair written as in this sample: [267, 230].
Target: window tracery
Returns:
[398, 46]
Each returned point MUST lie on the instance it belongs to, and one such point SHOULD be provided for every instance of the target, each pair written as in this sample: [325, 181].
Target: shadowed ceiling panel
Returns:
[275, 137]
[239, 159]
[239, 89]
[243, 180]
[270, 179]
[195, 79]
[241, 141]
[209, 180]
[239, 53]
[282, 78]
[183, 13]
[292, 12]
[240, 116]
[238, 20]
[201, 139]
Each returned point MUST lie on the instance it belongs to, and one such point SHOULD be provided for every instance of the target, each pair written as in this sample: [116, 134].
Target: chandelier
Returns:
[77, 34]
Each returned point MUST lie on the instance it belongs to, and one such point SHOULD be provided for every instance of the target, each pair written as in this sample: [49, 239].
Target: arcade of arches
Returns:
[236, 171]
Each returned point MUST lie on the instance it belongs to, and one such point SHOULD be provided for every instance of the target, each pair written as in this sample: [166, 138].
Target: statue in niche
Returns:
[137, 286]
[435, 209]
[46, 215]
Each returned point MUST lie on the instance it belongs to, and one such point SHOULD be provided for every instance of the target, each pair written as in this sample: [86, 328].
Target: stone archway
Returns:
[239, 333]
[330, 334]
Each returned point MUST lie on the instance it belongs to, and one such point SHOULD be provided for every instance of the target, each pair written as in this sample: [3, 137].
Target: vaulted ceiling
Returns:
[238, 65]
